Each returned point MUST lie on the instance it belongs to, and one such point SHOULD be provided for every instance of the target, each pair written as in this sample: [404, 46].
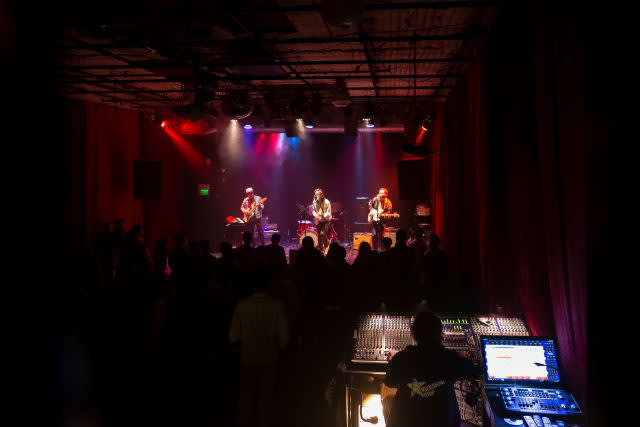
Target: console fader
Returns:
[377, 334]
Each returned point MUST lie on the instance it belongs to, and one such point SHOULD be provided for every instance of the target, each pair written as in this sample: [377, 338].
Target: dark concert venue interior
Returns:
[319, 212]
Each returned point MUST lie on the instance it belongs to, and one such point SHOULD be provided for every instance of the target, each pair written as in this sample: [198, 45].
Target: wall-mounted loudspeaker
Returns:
[147, 180]
[412, 180]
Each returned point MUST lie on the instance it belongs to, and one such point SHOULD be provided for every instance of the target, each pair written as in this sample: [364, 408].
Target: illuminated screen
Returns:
[520, 359]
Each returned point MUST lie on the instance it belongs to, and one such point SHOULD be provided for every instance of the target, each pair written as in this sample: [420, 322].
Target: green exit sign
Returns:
[204, 190]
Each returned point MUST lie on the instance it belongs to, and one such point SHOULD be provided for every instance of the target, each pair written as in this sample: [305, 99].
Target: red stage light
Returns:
[163, 124]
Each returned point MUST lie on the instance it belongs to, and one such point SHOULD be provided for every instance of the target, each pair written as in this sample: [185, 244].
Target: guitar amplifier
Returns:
[362, 237]
[391, 232]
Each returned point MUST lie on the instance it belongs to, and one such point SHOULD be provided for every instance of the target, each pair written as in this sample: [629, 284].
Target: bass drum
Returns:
[311, 232]
[303, 225]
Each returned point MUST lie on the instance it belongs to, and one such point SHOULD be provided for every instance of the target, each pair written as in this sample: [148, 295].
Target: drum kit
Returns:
[306, 225]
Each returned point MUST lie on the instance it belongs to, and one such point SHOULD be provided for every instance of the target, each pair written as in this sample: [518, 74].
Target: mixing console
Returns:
[513, 326]
[499, 325]
[377, 334]
[539, 401]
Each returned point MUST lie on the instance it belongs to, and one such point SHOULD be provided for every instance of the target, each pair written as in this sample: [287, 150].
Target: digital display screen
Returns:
[520, 359]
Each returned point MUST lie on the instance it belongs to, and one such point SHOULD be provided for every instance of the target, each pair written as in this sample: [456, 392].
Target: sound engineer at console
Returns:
[424, 375]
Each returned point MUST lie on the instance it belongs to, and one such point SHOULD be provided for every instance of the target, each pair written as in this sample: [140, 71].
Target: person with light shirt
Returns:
[259, 326]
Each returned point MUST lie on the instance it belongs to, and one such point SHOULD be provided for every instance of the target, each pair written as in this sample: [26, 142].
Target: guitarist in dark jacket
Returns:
[251, 208]
[380, 204]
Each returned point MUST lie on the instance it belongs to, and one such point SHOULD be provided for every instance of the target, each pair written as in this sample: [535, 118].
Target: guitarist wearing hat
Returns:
[251, 208]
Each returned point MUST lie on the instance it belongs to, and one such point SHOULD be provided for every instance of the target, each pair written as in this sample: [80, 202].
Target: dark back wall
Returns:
[286, 171]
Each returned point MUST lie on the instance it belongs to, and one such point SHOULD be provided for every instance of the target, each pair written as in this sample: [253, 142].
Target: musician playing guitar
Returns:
[251, 208]
[379, 210]
[322, 217]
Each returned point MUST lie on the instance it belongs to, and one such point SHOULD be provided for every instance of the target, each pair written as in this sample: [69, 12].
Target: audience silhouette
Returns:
[164, 322]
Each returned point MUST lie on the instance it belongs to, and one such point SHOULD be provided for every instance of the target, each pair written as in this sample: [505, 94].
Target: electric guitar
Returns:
[249, 215]
[375, 215]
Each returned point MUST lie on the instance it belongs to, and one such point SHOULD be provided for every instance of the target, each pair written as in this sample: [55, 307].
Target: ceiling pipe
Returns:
[75, 79]
[233, 43]
[159, 64]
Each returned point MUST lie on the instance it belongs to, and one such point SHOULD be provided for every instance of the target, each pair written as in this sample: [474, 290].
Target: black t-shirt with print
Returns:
[424, 378]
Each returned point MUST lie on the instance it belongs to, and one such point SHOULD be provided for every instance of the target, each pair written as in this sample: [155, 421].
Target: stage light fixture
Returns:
[368, 123]
[292, 128]
[163, 124]
[300, 105]
[237, 105]
[368, 110]
[248, 126]
[316, 104]
[341, 98]
[309, 126]
[426, 124]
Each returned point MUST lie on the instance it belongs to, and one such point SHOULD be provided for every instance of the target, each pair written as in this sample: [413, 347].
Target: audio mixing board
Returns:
[499, 325]
[378, 334]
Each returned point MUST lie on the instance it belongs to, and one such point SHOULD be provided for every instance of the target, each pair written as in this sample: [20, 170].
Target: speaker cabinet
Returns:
[412, 180]
[391, 233]
[147, 180]
[362, 209]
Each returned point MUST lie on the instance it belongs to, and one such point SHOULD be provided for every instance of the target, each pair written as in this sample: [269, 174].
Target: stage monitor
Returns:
[521, 360]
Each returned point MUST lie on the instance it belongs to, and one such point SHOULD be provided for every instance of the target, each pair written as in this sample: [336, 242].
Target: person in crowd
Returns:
[419, 245]
[274, 253]
[103, 250]
[178, 256]
[247, 261]
[366, 278]
[436, 268]
[208, 261]
[423, 376]
[226, 270]
[386, 243]
[259, 326]
[308, 268]
[401, 280]
[160, 258]
[135, 261]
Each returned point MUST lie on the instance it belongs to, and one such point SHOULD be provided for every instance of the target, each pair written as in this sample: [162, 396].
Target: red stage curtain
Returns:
[509, 180]
[163, 219]
[99, 143]
[559, 71]
[112, 143]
